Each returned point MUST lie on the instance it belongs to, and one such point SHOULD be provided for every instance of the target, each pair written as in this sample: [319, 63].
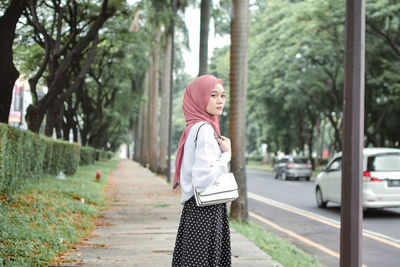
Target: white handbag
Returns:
[224, 189]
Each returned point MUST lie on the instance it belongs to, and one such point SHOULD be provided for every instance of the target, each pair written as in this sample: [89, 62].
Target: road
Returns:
[288, 209]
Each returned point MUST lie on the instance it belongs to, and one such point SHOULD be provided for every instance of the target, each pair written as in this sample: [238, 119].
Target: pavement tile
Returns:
[140, 227]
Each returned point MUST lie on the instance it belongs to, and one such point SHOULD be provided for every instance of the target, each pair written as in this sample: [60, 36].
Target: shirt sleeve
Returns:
[208, 163]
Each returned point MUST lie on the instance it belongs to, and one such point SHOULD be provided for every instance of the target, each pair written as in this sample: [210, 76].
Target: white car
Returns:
[381, 179]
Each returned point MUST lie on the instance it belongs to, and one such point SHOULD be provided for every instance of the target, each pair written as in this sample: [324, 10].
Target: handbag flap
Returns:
[223, 183]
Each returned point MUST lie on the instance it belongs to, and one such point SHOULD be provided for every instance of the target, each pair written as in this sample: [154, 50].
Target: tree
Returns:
[204, 26]
[62, 56]
[8, 72]
[165, 104]
[302, 71]
[153, 100]
[238, 93]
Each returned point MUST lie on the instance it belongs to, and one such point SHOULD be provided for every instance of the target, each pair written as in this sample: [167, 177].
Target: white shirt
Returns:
[202, 164]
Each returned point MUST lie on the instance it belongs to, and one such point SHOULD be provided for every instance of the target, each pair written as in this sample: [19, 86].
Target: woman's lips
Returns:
[220, 108]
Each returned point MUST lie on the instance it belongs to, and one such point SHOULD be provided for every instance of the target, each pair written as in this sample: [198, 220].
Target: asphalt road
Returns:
[288, 209]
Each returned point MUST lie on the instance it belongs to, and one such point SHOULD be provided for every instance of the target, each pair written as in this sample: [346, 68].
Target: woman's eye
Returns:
[223, 96]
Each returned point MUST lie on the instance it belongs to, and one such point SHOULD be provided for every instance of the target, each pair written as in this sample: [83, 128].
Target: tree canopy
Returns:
[296, 64]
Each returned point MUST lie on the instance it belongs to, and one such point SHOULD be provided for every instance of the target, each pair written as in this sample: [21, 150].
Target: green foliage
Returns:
[258, 165]
[103, 155]
[254, 157]
[296, 74]
[49, 216]
[26, 156]
[118, 4]
[71, 158]
[87, 156]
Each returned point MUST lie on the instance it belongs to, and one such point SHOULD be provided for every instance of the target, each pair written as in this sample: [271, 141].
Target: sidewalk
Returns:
[140, 229]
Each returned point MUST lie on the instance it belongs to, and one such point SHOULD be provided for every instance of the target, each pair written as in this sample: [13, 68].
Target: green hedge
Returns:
[88, 155]
[25, 155]
[103, 155]
[254, 158]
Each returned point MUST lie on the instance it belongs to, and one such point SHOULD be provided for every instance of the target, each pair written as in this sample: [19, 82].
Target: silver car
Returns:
[381, 179]
[293, 167]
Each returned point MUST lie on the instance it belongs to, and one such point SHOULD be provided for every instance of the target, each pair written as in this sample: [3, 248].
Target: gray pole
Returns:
[171, 91]
[353, 136]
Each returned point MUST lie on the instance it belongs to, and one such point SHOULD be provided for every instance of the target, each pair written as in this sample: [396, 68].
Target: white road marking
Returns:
[367, 233]
[298, 237]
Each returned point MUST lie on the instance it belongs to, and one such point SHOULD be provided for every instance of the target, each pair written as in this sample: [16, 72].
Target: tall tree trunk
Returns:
[238, 87]
[138, 136]
[128, 153]
[51, 118]
[146, 122]
[310, 145]
[75, 131]
[204, 26]
[153, 107]
[59, 123]
[8, 72]
[164, 114]
[317, 141]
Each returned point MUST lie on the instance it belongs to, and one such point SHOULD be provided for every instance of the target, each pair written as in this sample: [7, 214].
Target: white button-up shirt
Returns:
[203, 163]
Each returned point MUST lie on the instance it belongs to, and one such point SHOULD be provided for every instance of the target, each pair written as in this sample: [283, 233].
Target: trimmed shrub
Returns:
[38, 158]
[48, 155]
[254, 158]
[57, 158]
[26, 155]
[87, 156]
[103, 155]
[11, 157]
[71, 157]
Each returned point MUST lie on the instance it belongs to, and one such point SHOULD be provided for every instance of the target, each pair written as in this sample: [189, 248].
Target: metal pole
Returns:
[171, 91]
[353, 135]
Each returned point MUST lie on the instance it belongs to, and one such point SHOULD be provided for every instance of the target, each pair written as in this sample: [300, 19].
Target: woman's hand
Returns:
[224, 143]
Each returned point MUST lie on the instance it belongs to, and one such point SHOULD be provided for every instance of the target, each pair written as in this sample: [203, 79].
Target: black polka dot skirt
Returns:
[203, 237]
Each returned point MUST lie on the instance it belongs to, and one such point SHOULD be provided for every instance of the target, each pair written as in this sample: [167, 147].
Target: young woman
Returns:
[203, 236]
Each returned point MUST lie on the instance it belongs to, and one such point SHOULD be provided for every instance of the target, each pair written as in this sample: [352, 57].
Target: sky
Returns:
[192, 20]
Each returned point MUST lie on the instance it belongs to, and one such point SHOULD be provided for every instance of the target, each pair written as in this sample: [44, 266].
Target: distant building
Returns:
[21, 99]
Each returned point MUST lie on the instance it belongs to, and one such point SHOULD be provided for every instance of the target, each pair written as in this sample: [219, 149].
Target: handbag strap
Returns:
[197, 133]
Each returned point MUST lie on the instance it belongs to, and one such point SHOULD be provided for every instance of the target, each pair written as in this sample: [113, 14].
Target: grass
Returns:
[48, 216]
[258, 165]
[280, 250]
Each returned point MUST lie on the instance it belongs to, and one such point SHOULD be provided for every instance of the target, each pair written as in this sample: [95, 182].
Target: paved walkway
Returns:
[140, 228]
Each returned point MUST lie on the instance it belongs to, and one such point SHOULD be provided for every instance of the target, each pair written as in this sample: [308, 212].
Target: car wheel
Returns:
[283, 176]
[320, 199]
[308, 178]
[276, 176]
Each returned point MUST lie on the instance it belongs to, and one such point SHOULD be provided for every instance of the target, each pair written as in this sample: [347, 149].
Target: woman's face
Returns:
[217, 100]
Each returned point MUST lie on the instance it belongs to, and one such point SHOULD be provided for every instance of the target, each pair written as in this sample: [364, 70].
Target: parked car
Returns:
[381, 179]
[293, 167]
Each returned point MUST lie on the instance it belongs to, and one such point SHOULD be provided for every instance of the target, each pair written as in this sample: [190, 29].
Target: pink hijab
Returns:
[195, 101]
